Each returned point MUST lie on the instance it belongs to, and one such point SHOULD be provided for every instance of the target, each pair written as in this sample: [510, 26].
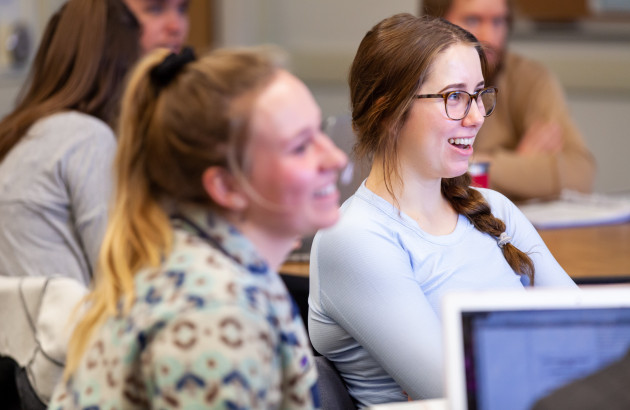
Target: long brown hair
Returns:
[392, 62]
[86, 50]
[169, 135]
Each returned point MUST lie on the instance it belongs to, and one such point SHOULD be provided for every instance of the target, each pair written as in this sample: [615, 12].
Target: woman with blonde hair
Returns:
[221, 167]
[415, 229]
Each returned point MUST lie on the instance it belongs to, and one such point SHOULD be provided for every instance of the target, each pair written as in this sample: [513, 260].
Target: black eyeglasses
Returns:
[457, 103]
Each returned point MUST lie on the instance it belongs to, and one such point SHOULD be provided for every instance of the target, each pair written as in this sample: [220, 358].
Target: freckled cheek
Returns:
[294, 187]
[149, 35]
[184, 26]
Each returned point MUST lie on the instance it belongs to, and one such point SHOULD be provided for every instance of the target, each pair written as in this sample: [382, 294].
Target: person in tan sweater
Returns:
[531, 143]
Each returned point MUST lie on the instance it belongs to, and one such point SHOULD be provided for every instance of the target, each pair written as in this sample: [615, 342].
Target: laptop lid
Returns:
[506, 349]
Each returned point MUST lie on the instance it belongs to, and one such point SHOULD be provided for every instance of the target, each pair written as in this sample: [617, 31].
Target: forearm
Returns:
[535, 148]
[541, 175]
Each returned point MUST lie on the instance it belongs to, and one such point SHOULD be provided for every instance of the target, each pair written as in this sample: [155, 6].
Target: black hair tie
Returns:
[163, 73]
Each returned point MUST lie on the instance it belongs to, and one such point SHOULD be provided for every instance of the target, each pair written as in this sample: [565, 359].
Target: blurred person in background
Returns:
[533, 147]
[58, 144]
[165, 23]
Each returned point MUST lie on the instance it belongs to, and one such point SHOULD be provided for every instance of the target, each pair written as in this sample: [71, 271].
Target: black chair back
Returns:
[332, 389]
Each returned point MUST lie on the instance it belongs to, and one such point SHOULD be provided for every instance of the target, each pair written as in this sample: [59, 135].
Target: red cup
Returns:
[479, 174]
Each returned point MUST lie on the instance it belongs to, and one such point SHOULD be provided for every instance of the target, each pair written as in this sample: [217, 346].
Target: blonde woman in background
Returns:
[221, 167]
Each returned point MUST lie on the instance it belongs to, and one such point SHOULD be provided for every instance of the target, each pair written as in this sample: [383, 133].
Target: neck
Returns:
[419, 198]
[274, 248]
[408, 192]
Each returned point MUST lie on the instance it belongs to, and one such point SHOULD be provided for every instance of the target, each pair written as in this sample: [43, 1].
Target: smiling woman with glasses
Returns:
[415, 229]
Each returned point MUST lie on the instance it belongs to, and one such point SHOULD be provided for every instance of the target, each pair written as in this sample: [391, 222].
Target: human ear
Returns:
[223, 188]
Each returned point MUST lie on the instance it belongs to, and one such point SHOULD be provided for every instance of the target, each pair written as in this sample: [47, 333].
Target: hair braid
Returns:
[470, 203]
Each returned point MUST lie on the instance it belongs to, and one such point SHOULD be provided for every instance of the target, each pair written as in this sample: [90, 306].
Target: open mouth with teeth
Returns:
[325, 191]
[463, 143]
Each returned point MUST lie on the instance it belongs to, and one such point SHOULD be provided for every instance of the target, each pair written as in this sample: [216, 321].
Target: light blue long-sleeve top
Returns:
[377, 281]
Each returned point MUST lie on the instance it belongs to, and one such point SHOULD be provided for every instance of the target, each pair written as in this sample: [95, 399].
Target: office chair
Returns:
[8, 384]
[332, 389]
[298, 289]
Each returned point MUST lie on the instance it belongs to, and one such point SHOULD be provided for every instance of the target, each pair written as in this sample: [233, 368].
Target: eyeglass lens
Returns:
[458, 103]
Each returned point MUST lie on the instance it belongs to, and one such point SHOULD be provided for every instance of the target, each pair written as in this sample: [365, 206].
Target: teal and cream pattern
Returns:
[212, 328]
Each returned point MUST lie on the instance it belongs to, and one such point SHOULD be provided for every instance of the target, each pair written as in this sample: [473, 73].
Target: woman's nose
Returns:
[335, 158]
[474, 117]
[175, 21]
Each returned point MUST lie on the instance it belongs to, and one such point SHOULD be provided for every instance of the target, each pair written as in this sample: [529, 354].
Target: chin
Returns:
[323, 222]
[457, 173]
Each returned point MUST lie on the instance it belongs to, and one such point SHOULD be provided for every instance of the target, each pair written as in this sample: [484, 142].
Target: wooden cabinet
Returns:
[556, 10]
[201, 34]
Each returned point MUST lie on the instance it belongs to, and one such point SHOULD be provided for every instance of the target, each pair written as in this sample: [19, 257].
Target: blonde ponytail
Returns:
[139, 233]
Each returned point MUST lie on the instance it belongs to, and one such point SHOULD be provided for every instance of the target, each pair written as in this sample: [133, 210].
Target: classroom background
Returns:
[586, 43]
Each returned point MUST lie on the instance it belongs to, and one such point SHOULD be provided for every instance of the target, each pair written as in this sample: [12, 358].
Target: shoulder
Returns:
[367, 231]
[504, 209]
[524, 73]
[367, 210]
[198, 277]
[363, 216]
[491, 195]
[521, 65]
[74, 120]
[500, 205]
[74, 126]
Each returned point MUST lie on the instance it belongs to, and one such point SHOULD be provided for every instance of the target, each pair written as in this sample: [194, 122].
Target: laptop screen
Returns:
[514, 358]
[505, 350]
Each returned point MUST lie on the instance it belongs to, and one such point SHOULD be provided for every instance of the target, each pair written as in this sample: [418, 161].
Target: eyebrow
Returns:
[303, 135]
[460, 85]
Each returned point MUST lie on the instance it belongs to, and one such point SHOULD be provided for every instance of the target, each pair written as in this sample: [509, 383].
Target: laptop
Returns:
[507, 349]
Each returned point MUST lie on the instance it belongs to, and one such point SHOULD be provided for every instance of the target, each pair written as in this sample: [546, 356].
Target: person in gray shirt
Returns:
[57, 145]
